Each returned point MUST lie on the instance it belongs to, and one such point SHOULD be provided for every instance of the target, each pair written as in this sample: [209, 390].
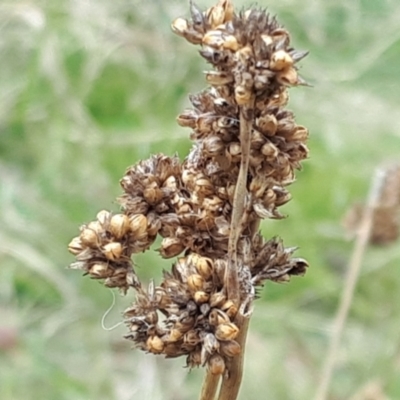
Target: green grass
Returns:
[88, 88]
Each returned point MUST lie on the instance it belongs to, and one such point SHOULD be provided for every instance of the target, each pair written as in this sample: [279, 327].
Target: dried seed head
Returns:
[119, 225]
[227, 331]
[155, 345]
[112, 251]
[216, 364]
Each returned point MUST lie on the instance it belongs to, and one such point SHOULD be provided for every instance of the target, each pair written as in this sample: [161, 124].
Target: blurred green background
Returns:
[88, 88]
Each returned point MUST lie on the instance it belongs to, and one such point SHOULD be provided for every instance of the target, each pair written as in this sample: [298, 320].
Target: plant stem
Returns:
[353, 272]
[233, 378]
[210, 386]
[238, 207]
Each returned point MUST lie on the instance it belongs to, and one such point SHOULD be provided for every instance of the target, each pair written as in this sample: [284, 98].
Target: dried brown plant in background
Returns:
[207, 209]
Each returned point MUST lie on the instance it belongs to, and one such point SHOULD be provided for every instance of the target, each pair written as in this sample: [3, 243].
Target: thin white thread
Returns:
[107, 312]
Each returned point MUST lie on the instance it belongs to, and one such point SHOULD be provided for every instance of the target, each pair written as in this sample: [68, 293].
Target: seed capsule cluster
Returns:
[198, 319]
[189, 204]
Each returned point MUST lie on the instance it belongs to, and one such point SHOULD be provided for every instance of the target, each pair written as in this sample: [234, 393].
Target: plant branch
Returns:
[353, 272]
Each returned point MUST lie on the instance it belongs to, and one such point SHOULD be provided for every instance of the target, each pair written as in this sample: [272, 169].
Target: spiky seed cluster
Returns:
[190, 204]
[386, 216]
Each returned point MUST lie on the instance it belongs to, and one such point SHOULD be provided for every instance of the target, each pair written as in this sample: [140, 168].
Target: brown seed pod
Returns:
[227, 331]
[89, 237]
[216, 364]
[119, 225]
[229, 308]
[217, 78]
[242, 95]
[201, 297]
[217, 299]
[280, 60]
[154, 344]
[112, 251]
[218, 317]
[103, 216]
[180, 26]
[75, 246]
[214, 38]
[100, 270]
[138, 226]
[174, 335]
[267, 124]
[171, 247]
[195, 282]
[288, 77]
[230, 348]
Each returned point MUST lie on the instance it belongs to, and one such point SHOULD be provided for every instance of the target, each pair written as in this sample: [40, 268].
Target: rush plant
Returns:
[208, 207]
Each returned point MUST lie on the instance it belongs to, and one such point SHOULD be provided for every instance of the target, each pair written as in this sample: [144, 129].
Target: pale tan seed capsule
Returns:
[234, 149]
[191, 338]
[195, 282]
[155, 344]
[214, 39]
[89, 238]
[210, 343]
[218, 317]
[269, 150]
[217, 299]
[112, 251]
[103, 216]
[201, 297]
[216, 364]
[174, 335]
[288, 77]
[217, 78]
[171, 247]
[204, 267]
[227, 331]
[204, 186]
[152, 317]
[268, 124]
[230, 348]
[215, 16]
[100, 270]
[187, 119]
[267, 39]
[280, 60]
[229, 308]
[229, 10]
[138, 225]
[242, 95]
[170, 183]
[230, 43]
[179, 26]
[75, 246]
[153, 195]
[119, 225]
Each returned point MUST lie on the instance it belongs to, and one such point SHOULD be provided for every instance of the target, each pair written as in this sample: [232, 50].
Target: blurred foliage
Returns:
[89, 87]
